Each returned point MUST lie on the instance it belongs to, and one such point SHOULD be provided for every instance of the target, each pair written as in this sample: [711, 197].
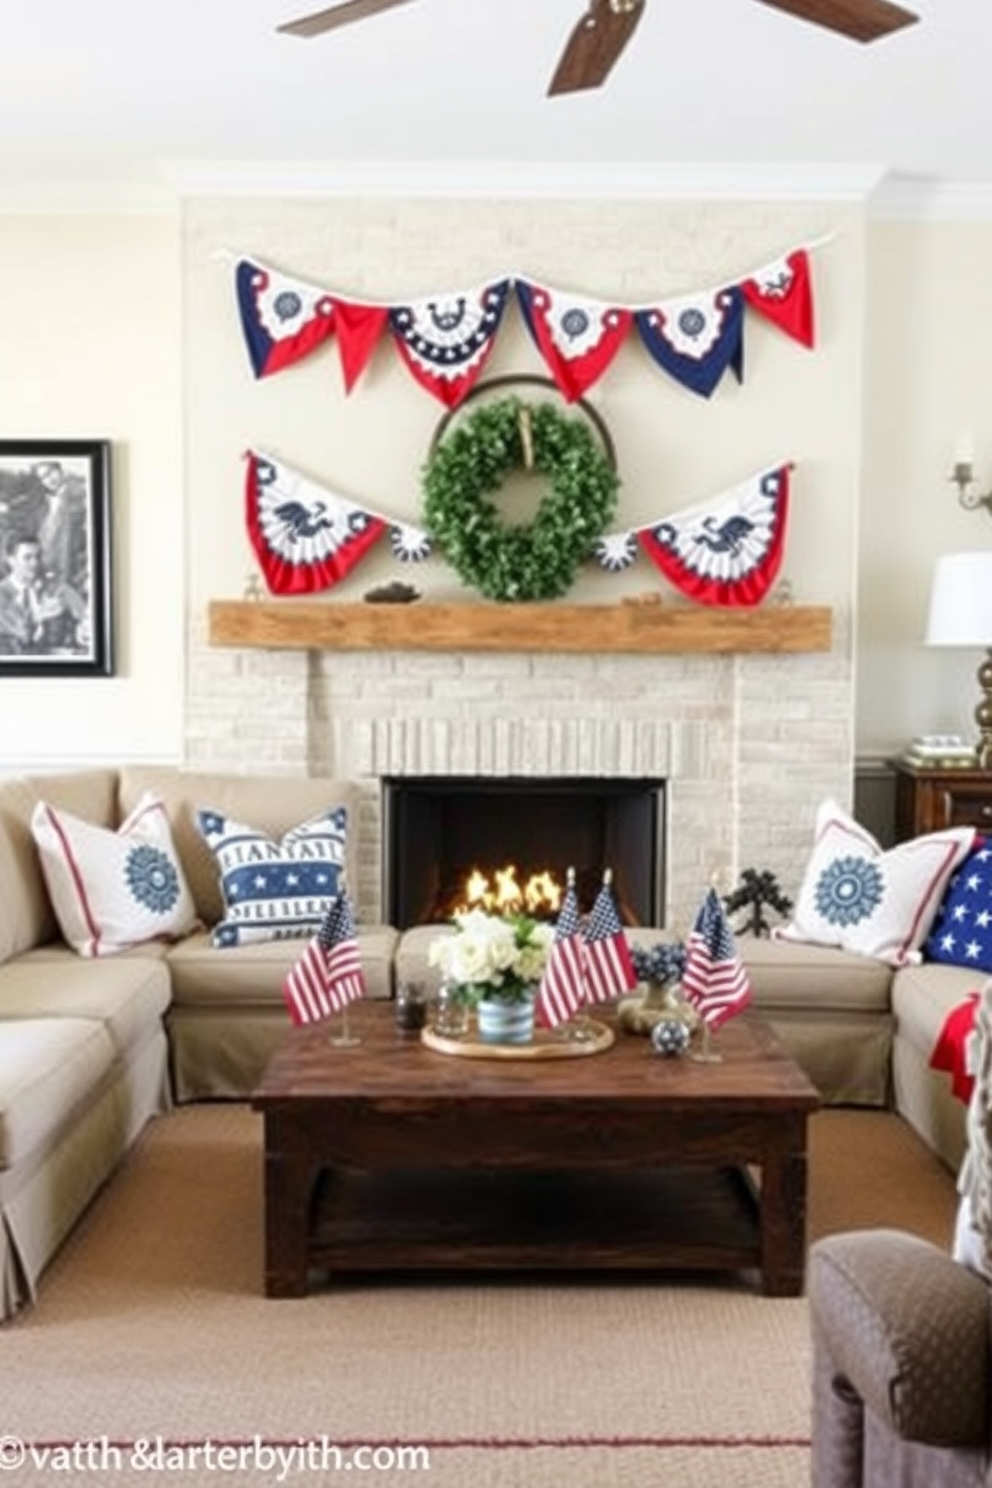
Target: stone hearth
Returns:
[748, 743]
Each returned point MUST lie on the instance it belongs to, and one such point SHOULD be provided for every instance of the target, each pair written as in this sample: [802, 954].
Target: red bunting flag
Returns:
[283, 319]
[445, 340]
[726, 551]
[359, 329]
[578, 338]
[305, 537]
[783, 292]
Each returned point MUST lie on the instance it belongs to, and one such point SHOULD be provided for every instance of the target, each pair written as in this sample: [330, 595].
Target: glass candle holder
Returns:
[411, 1007]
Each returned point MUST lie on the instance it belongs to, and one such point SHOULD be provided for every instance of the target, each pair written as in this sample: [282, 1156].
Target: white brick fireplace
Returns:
[747, 743]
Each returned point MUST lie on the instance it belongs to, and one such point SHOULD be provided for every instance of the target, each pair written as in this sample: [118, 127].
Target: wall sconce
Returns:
[963, 476]
[961, 615]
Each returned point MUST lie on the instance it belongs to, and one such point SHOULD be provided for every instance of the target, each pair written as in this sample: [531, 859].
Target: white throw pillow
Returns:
[113, 890]
[859, 898]
[275, 890]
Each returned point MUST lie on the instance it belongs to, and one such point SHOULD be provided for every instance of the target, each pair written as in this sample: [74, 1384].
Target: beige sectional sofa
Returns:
[91, 1049]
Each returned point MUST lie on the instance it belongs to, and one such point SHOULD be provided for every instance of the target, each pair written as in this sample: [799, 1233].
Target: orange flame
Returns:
[504, 893]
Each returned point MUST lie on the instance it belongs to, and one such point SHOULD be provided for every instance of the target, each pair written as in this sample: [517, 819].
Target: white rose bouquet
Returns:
[491, 957]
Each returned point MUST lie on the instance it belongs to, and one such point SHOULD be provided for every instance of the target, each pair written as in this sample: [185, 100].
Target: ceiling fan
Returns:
[601, 34]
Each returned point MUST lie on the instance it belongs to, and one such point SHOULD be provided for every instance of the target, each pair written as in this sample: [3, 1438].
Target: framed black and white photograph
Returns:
[56, 599]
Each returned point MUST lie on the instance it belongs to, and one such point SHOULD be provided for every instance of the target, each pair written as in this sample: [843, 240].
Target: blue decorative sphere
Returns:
[670, 1037]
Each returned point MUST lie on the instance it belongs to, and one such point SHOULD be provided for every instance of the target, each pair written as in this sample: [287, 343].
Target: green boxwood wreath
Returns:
[529, 561]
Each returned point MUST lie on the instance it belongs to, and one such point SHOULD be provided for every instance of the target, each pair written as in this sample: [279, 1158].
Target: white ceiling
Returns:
[158, 93]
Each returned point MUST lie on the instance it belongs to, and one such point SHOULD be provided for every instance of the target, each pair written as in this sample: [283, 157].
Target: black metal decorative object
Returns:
[757, 890]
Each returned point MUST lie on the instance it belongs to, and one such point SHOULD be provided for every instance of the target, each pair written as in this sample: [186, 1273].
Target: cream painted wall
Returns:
[90, 342]
[95, 336]
[929, 341]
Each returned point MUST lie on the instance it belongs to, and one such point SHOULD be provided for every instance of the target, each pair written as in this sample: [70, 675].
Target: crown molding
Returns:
[901, 198]
[887, 195]
[543, 180]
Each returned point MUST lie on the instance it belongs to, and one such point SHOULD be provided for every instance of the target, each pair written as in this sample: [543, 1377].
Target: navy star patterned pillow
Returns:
[962, 931]
[275, 890]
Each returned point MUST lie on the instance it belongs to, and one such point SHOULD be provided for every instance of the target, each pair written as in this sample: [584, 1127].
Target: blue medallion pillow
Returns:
[859, 898]
[961, 934]
[275, 890]
[112, 890]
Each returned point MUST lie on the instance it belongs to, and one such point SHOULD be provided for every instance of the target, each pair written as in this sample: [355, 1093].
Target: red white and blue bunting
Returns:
[445, 339]
[283, 319]
[578, 338]
[726, 551]
[782, 291]
[697, 338]
[307, 537]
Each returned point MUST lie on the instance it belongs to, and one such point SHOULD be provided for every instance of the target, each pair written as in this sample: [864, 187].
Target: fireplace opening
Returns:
[440, 830]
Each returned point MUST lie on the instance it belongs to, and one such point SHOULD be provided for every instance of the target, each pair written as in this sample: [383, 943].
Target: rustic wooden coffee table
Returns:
[390, 1156]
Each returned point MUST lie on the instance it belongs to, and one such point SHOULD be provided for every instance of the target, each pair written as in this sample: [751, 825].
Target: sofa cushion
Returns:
[874, 903]
[961, 934]
[49, 1068]
[126, 994]
[790, 974]
[28, 918]
[113, 889]
[251, 976]
[275, 889]
[272, 803]
[922, 999]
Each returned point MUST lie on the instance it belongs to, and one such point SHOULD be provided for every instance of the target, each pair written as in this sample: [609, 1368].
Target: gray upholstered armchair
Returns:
[901, 1365]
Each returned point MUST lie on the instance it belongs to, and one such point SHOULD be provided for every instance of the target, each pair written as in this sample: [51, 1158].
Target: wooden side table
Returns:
[928, 799]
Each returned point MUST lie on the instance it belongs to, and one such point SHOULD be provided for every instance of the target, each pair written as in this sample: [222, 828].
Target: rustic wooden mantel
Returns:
[674, 628]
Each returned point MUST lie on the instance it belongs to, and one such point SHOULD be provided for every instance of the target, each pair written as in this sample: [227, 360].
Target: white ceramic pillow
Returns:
[112, 890]
[859, 898]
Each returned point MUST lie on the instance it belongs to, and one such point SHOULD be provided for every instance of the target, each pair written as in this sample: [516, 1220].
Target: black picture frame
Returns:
[56, 570]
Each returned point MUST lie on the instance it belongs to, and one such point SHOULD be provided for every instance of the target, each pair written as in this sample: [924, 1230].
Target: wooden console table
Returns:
[928, 799]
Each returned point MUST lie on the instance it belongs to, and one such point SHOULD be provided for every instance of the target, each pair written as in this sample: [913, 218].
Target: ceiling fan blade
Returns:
[862, 20]
[595, 44]
[337, 15]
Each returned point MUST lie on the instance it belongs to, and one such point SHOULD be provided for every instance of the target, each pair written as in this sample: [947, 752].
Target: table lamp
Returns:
[961, 615]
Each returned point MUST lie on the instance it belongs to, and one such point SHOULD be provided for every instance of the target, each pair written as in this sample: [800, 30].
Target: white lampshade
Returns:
[961, 601]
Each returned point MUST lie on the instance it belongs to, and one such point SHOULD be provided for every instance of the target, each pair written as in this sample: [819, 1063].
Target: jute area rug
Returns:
[151, 1355]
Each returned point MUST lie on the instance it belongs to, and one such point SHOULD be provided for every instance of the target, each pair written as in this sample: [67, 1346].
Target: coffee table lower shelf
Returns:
[671, 1219]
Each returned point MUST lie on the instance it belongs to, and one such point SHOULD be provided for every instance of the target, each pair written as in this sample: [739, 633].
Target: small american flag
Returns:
[715, 979]
[329, 973]
[609, 968]
[563, 985]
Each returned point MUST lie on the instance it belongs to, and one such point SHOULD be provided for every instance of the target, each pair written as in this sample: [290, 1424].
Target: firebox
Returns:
[441, 832]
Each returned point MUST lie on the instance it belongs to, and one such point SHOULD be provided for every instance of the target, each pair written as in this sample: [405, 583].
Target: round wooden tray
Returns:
[548, 1043]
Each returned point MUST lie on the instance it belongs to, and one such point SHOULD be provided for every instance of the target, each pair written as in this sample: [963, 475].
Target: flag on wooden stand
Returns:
[715, 979]
[609, 968]
[563, 985]
[329, 973]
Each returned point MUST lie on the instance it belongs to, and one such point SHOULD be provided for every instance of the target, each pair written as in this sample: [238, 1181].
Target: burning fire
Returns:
[504, 894]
